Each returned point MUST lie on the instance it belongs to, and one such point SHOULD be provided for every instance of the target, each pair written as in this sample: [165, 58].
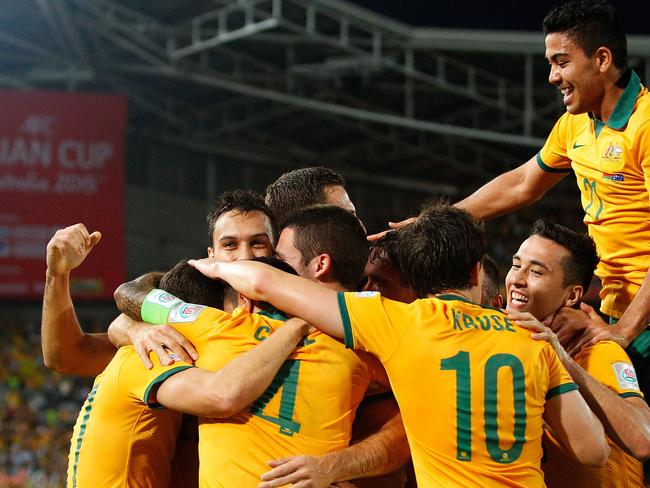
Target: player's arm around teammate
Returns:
[626, 420]
[66, 347]
[223, 393]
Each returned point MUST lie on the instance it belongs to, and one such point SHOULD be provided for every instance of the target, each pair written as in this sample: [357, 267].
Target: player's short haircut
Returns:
[230, 295]
[592, 24]
[578, 267]
[187, 283]
[328, 229]
[491, 280]
[437, 251]
[241, 201]
[300, 188]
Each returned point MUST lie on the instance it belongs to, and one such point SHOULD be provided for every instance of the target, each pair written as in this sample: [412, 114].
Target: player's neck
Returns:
[467, 294]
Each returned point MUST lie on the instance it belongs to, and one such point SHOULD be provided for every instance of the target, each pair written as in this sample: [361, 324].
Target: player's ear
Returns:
[604, 58]
[210, 252]
[322, 265]
[576, 292]
[244, 302]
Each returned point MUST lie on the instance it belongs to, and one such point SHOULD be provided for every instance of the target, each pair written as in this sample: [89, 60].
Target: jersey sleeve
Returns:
[553, 157]
[643, 147]
[137, 381]
[372, 323]
[609, 363]
[560, 380]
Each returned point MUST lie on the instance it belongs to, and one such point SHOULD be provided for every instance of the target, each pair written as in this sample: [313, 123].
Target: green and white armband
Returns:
[157, 306]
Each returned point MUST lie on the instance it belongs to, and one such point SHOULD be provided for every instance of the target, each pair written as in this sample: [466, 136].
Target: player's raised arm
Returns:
[294, 295]
[223, 393]
[509, 191]
[66, 348]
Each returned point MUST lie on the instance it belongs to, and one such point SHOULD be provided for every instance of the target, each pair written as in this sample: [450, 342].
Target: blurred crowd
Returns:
[38, 410]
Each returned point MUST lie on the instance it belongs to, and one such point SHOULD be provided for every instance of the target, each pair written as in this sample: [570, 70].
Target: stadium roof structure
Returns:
[287, 83]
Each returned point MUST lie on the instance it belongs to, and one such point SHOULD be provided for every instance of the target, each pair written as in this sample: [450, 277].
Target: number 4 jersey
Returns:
[471, 386]
[308, 408]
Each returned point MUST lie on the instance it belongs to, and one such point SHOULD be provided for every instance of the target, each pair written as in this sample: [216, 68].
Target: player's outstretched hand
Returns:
[391, 226]
[299, 472]
[207, 266]
[169, 344]
[69, 247]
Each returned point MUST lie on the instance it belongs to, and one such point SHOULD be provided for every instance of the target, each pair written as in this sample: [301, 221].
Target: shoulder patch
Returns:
[366, 294]
[185, 312]
[626, 376]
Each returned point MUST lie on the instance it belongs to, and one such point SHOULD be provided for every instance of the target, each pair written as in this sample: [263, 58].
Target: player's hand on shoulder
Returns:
[168, 344]
[300, 472]
[69, 247]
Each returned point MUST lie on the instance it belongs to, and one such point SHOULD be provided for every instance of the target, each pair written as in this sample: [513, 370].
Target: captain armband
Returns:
[157, 306]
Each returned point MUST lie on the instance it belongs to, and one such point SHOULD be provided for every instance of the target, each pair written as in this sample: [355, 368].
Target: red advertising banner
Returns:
[61, 162]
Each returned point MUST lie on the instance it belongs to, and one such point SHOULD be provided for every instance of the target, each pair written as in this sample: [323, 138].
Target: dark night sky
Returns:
[499, 15]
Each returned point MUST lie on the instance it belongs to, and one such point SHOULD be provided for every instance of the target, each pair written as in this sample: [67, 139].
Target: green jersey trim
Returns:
[348, 338]
[625, 105]
[157, 382]
[544, 167]
[275, 316]
[558, 390]
[82, 430]
[629, 394]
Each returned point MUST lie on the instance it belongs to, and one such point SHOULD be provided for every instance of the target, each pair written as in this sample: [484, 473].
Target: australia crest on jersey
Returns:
[612, 160]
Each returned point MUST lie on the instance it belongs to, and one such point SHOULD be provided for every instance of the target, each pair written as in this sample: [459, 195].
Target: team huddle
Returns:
[301, 352]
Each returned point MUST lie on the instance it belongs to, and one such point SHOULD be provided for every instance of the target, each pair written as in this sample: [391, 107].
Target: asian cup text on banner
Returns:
[61, 163]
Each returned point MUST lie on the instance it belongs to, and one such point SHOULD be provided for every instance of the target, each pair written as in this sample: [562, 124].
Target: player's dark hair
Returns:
[386, 249]
[328, 229]
[592, 24]
[491, 279]
[230, 295]
[241, 201]
[437, 251]
[578, 267]
[187, 283]
[300, 188]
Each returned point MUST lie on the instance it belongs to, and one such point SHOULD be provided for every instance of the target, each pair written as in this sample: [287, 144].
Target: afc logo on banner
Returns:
[38, 124]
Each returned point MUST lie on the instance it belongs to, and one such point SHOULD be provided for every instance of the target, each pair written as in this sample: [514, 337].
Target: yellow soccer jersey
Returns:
[308, 409]
[611, 163]
[471, 386]
[121, 439]
[608, 363]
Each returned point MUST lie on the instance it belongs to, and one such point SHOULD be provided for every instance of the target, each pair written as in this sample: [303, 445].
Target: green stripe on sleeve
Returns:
[629, 394]
[558, 390]
[157, 381]
[345, 317]
[548, 169]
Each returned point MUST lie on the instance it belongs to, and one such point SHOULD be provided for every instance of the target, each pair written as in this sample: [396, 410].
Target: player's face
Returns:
[239, 235]
[534, 282]
[576, 74]
[381, 276]
[287, 252]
